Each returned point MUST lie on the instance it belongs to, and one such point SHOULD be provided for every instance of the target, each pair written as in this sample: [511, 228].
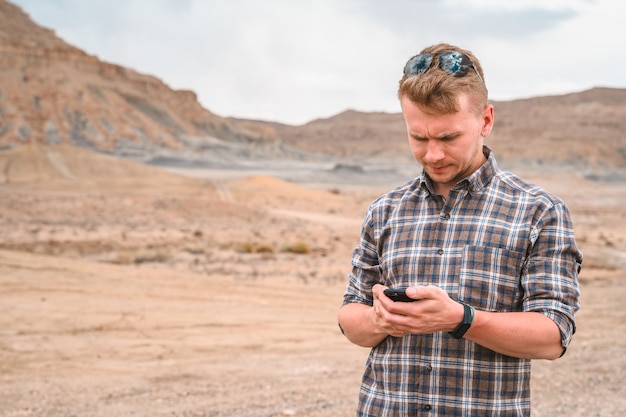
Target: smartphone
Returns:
[398, 294]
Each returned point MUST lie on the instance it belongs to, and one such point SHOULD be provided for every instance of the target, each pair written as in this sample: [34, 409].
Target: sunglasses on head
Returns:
[452, 62]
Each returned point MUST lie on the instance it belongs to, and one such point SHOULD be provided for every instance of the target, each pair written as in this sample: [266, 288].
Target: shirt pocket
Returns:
[490, 278]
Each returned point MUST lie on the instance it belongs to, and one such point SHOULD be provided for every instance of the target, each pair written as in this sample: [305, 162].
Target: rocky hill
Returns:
[52, 92]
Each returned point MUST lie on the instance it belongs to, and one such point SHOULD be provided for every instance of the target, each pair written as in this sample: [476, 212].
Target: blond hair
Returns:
[437, 92]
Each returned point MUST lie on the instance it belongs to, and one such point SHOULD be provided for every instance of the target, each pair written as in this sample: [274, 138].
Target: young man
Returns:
[489, 259]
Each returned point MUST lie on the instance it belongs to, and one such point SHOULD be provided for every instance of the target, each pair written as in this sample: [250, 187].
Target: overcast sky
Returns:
[293, 61]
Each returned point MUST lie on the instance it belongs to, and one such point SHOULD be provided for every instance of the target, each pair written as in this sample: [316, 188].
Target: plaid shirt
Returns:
[496, 243]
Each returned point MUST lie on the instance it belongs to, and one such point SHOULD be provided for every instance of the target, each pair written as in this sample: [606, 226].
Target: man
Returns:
[490, 260]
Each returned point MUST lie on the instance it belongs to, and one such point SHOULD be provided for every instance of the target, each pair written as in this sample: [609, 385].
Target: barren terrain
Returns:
[130, 290]
[165, 295]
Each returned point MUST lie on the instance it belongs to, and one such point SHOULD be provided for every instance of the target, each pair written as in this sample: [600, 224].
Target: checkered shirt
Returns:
[496, 243]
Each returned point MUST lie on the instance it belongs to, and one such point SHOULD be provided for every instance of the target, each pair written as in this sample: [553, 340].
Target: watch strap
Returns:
[468, 319]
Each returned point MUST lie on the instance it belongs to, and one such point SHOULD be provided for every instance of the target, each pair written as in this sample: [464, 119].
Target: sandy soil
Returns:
[219, 298]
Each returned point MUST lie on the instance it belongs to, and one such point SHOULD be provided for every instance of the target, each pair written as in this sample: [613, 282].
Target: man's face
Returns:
[450, 146]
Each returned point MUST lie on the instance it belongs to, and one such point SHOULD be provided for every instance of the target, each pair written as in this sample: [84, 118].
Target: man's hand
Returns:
[368, 326]
[381, 314]
[433, 311]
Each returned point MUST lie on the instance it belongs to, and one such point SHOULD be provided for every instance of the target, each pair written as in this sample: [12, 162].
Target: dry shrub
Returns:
[250, 247]
[128, 257]
[298, 247]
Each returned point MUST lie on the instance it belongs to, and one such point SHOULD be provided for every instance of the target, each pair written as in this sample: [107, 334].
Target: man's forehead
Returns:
[420, 122]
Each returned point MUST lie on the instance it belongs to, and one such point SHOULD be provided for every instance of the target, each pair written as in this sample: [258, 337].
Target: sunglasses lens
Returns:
[418, 64]
[454, 63]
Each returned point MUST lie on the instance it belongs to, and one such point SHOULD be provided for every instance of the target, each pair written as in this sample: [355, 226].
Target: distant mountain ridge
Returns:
[53, 93]
[583, 131]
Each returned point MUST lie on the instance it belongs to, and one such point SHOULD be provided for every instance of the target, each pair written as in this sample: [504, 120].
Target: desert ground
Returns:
[216, 294]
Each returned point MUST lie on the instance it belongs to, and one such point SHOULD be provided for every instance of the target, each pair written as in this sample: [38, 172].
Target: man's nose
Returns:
[434, 151]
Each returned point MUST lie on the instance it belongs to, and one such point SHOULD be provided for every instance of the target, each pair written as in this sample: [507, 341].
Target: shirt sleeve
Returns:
[550, 276]
[366, 271]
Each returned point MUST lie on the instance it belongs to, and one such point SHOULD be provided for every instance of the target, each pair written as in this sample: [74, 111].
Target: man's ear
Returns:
[487, 119]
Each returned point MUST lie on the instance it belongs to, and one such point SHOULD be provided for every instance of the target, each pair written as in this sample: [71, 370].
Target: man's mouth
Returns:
[438, 169]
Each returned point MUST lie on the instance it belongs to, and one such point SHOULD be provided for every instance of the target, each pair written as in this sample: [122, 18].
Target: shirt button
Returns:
[446, 216]
[427, 407]
[429, 368]
[440, 251]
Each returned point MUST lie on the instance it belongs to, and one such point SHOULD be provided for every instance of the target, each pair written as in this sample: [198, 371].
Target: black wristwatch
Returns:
[468, 318]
